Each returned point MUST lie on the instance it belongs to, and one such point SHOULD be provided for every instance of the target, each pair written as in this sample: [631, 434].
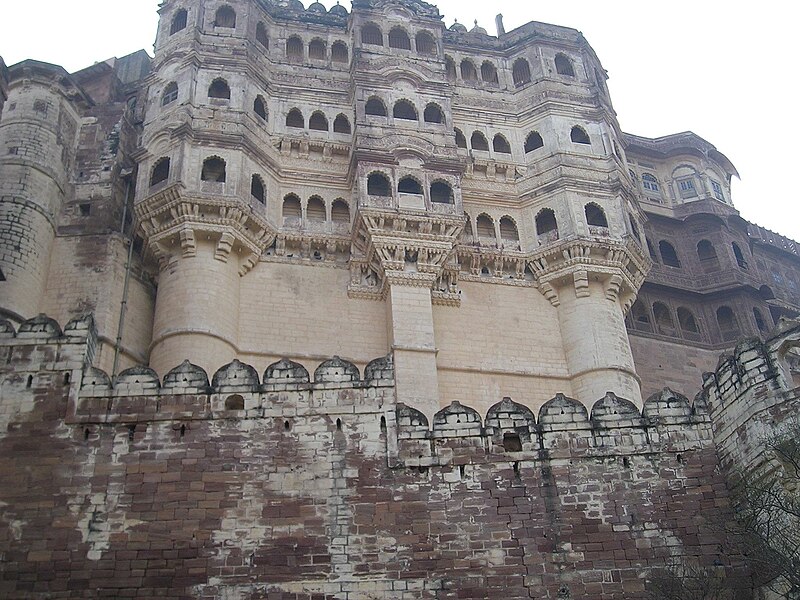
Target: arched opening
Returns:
[409, 185]
[433, 114]
[317, 49]
[450, 68]
[461, 141]
[378, 185]
[707, 256]
[261, 35]
[737, 253]
[213, 170]
[533, 142]
[728, 326]
[468, 71]
[294, 49]
[340, 211]
[178, 21]
[634, 228]
[687, 322]
[489, 72]
[170, 94]
[501, 145]
[341, 124]
[521, 72]
[398, 38]
[260, 108]
[371, 35]
[546, 225]
[652, 251]
[425, 43]
[760, 322]
[295, 119]
[765, 293]
[663, 319]
[403, 109]
[640, 317]
[441, 192]
[564, 66]
[508, 230]
[160, 171]
[668, 255]
[318, 122]
[219, 89]
[479, 142]
[579, 135]
[315, 210]
[339, 52]
[234, 402]
[257, 189]
[225, 17]
[595, 216]
[650, 183]
[375, 107]
[292, 210]
[484, 225]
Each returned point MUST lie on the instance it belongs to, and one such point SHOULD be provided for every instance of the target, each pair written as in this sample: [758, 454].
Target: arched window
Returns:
[450, 68]
[479, 142]
[257, 189]
[178, 21]
[340, 211]
[546, 225]
[485, 227]
[533, 141]
[315, 210]
[489, 72]
[375, 107]
[295, 119]
[728, 326]
[318, 122]
[564, 66]
[595, 216]
[508, 230]
[425, 43]
[219, 89]
[170, 94]
[433, 114]
[317, 49]
[634, 228]
[213, 170]
[760, 323]
[409, 185]
[686, 320]
[341, 124]
[468, 71]
[737, 253]
[339, 52]
[160, 171]
[261, 35]
[652, 251]
[579, 135]
[640, 317]
[707, 255]
[294, 48]
[225, 17]
[260, 108]
[649, 182]
[461, 141]
[663, 318]
[668, 255]
[403, 109]
[500, 144]
[521, 72]
[378, 185]
[398, 38]
[372, 35]
[441, 192]
[292, 211]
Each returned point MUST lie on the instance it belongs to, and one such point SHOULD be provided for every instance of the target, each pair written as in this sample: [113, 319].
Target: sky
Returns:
[724, 70]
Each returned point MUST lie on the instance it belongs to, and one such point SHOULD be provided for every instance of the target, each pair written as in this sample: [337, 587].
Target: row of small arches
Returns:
[378, 184]
[398, 38]
[520, 71]
[404, 109]
[214, 170]
[315, 210]
[706, 254]
[501, 145]
[663, 321]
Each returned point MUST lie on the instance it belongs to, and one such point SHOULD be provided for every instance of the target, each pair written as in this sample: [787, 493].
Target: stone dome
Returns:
[317, 7]
[338, 10]
[458, 28]
[478, 29]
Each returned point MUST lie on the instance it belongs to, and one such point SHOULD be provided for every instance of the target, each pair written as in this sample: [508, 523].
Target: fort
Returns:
[356, 305]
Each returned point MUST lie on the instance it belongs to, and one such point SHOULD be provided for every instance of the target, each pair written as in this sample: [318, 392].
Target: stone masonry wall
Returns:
[290, 485]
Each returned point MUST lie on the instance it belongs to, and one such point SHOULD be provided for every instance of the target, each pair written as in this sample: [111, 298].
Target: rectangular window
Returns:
[717, 189]
[687, 189]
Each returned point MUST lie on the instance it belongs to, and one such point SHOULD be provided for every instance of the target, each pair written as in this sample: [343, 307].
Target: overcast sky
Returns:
[726, 71]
